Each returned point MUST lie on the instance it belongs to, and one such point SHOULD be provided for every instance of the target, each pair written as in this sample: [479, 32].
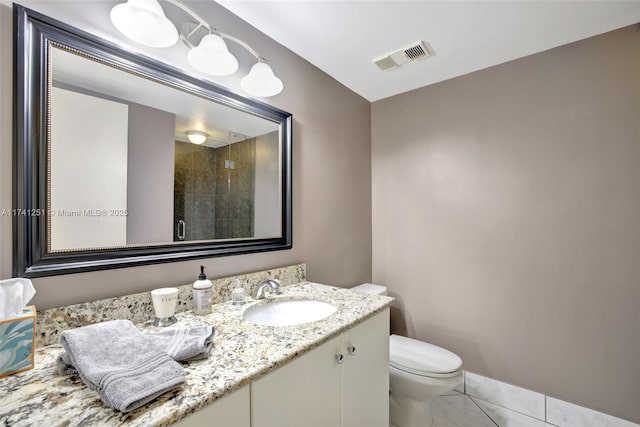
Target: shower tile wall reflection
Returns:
[214, 198]
[234, 200]
[194, 191]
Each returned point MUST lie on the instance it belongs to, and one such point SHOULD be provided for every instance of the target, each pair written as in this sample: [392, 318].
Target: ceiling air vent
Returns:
[398, 58]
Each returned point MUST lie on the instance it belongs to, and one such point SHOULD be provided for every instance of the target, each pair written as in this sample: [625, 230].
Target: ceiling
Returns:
[343, 37]
[223, 125]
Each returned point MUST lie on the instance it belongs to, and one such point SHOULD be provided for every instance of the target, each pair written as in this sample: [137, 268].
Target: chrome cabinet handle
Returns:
[339, 358]
[182, 229]
[352, 350]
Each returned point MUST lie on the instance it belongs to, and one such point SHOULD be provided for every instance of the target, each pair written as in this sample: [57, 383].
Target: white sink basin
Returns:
[288, 312]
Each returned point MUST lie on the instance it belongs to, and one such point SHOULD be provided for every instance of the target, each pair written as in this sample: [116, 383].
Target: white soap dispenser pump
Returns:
[202, 294]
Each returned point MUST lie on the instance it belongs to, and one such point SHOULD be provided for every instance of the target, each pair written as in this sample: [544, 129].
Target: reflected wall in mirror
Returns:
[108, 169]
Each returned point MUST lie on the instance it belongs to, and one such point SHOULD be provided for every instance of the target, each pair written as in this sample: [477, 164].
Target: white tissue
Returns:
[14, 296]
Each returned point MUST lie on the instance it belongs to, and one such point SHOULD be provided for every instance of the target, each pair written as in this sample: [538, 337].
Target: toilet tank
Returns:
[370, 288]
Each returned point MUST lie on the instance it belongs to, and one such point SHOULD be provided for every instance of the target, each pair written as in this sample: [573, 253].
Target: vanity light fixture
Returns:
[197, 137]
[261, 81]
[144, 22]
[212, 56]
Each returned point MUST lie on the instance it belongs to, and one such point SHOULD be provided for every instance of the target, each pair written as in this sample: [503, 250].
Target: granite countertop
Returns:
[242, 353]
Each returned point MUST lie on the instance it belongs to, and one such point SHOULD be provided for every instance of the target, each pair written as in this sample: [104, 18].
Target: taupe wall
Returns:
[150, 165]
[331, 177]
[6, 127]
[506, 218]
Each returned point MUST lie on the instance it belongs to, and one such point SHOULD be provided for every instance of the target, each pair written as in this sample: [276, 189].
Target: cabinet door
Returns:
[302, 393]
[230, 411]
[365, 373]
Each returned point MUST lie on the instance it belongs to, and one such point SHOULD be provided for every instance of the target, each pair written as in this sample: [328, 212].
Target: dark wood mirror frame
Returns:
[33, 36]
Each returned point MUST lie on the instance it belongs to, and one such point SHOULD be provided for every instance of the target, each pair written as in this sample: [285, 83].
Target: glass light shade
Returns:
[144, 21]
[212, 57]
[197, 137]
[261, 81]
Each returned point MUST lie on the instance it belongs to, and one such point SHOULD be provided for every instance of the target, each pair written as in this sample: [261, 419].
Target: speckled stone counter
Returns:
[138, 307]
[242, 352]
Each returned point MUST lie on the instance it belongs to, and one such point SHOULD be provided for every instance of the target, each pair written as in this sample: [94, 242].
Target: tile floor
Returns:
[459, 410]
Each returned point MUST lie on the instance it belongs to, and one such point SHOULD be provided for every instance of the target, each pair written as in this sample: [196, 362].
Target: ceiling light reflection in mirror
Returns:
[191, 112]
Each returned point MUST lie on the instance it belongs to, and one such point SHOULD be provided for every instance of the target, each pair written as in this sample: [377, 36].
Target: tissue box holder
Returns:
[17, 342]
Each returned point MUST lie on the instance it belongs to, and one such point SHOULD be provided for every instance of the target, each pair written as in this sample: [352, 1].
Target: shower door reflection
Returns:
[216, 189]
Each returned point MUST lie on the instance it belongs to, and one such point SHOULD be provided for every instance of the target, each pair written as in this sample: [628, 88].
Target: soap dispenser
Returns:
[202, 294]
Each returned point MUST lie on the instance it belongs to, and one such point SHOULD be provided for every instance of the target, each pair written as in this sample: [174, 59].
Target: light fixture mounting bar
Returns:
[189, 11]
[210, 29]
[251, 50]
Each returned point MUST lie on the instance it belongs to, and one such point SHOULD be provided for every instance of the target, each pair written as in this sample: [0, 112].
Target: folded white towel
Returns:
[119, 362]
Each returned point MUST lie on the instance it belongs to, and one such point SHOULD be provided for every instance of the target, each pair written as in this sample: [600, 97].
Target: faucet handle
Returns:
[275, 286]
[259, 293]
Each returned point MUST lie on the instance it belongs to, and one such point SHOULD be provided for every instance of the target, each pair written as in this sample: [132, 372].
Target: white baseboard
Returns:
[536, 405]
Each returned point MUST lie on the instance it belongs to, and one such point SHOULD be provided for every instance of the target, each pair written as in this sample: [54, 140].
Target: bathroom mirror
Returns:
[107, 174]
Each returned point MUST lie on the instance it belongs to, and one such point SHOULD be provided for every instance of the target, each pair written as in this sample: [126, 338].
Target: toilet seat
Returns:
[421, 358]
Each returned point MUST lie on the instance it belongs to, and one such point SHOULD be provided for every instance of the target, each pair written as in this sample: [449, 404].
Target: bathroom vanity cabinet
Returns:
[343, 382]
[309, 387]
[365, 374]
[230, 411]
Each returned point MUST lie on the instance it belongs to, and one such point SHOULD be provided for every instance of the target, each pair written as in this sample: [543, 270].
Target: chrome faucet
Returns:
[274, 286]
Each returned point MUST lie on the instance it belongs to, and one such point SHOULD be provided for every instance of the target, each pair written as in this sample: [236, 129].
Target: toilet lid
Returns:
[421, 358]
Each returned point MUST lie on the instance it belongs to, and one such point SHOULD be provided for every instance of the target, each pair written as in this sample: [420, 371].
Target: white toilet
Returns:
[418, 372]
